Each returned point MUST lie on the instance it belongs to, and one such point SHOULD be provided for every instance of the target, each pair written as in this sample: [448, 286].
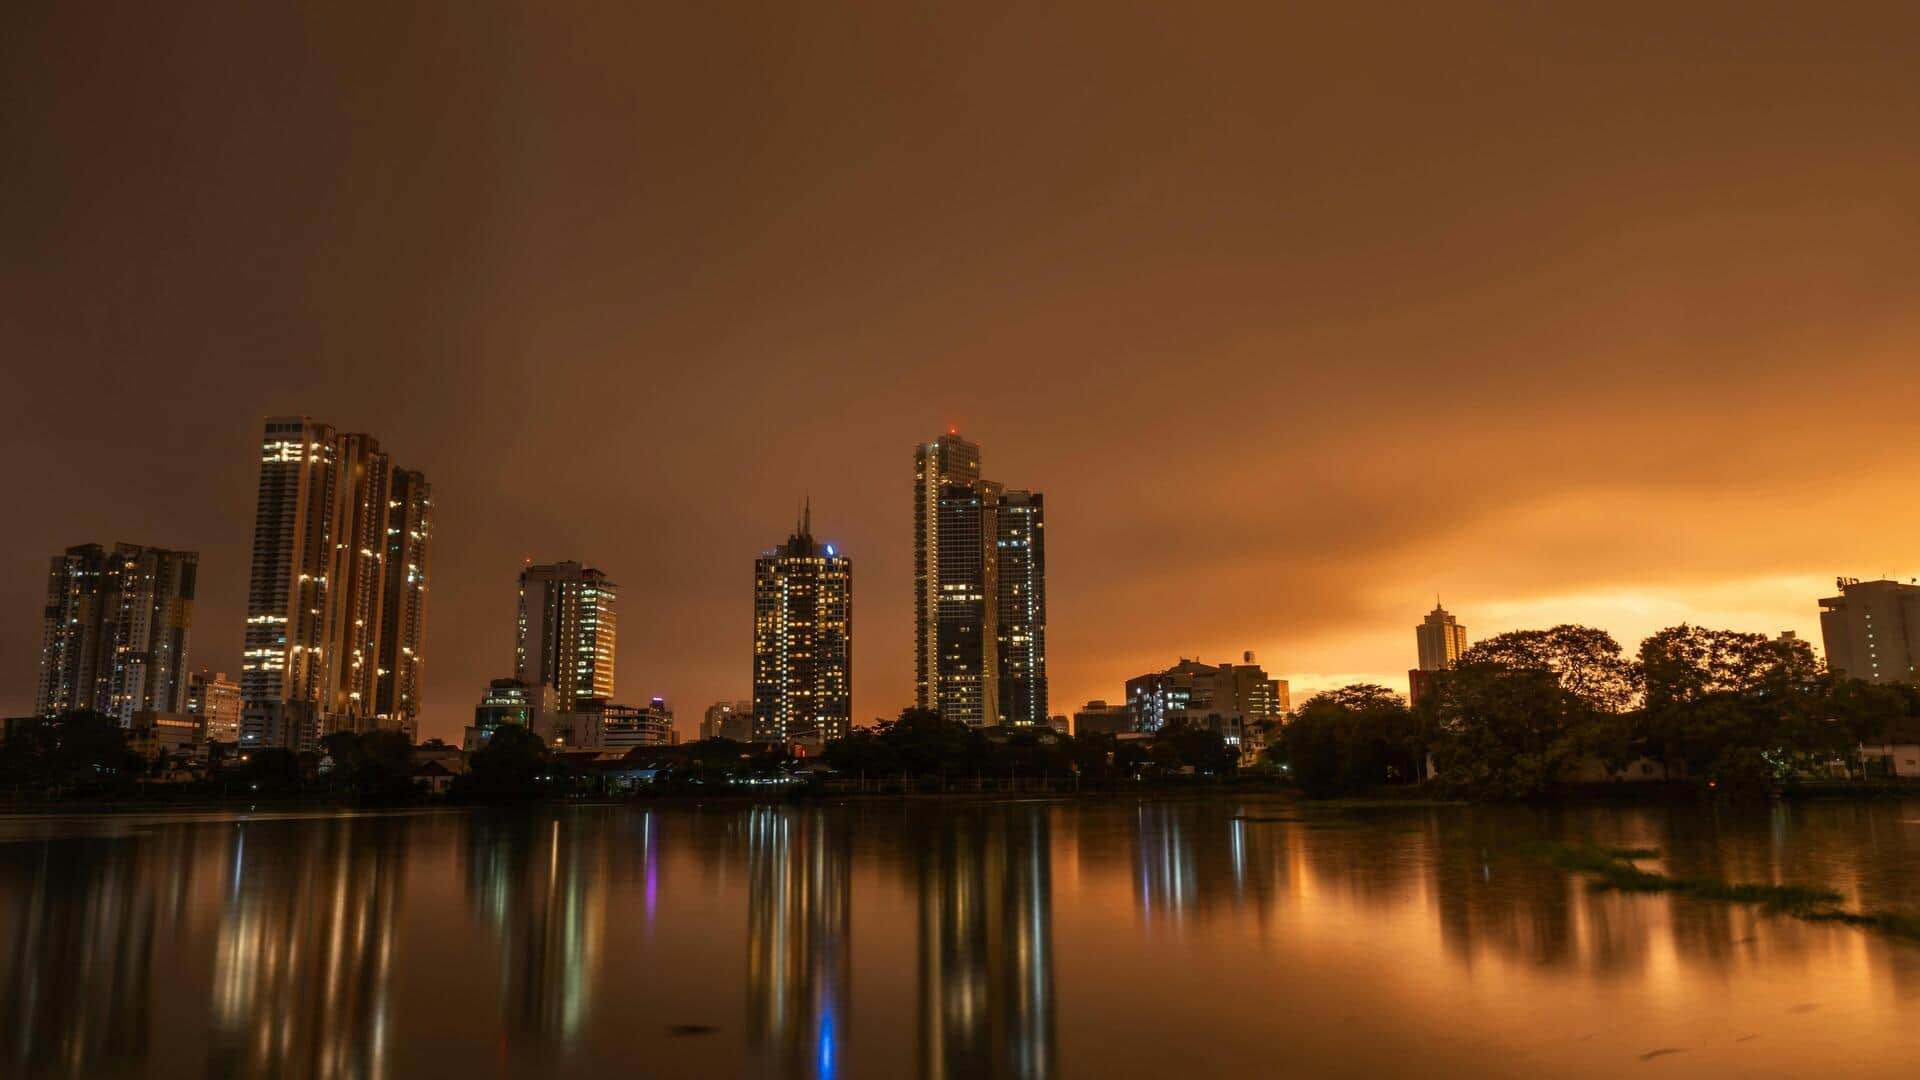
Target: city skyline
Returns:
[412, 511]
[1539, 320]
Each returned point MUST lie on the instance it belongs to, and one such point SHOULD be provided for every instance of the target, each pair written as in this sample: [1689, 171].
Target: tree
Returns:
[271, 771]
[1503, 731]
[510, 766]
[1355, 737]
[1585, 662]
[1683, 664]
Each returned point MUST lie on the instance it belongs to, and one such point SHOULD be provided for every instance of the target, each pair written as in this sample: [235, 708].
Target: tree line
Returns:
[1526, 712]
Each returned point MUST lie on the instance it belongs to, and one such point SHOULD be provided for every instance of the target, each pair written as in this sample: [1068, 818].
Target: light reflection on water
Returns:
[1018, 939]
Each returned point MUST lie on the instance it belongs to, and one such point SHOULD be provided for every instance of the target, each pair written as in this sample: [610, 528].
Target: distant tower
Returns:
[1441, 638]
[802, 639]
[566, 632]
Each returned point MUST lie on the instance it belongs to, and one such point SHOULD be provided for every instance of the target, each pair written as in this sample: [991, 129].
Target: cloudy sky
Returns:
[1298, 314]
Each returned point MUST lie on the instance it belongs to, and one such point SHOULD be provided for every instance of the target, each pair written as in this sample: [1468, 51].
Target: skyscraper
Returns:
[114, 633]
[1441, 639]
[1020, 543]
[404, 609]
[947, 462]
[323, 653]
[979, 591]
[802, 639]
[1872, 630]
[566, 633]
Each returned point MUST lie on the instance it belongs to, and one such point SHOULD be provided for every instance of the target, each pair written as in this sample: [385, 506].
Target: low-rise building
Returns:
[154, 735]
[1100, 718]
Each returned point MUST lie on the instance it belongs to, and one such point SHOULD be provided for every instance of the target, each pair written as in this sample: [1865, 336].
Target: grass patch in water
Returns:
[1612, 870]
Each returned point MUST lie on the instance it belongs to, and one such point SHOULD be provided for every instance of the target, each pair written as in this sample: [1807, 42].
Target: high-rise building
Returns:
[404, 608]
[1872, 630]
[566, 632]
[979, 591]
[114, 636]
[948, 462]
[338, 537]
[1020, 544]
[215, 700]
[802, 639]
[1441, 639]
[728, 720]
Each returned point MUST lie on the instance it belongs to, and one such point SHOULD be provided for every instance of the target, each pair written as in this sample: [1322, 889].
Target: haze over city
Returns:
[1298, 319]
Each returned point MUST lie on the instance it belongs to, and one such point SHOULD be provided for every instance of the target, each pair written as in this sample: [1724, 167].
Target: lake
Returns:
[957, 939]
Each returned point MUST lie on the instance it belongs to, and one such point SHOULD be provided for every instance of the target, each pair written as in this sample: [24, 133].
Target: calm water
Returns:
[1020, 938]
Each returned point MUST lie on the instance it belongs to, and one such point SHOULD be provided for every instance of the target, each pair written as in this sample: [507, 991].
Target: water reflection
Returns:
[539, 886]
[75, 978]
[799, 940]
[888, 940]
[986, 952]
[303, 960]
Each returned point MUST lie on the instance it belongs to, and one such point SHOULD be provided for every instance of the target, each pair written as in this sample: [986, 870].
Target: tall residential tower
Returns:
[114, 636]
[802, 639]
[336, 600]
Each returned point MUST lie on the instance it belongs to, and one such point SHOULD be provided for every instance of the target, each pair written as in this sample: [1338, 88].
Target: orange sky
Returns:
[1297, 316]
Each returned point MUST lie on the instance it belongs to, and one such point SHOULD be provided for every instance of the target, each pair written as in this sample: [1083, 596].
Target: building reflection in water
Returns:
[77, 967]
[540, 885]
[304, 957]
[799, 939]
[986, 954]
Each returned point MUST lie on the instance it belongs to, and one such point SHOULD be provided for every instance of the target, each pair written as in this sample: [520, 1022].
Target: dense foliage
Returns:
[1524, 712]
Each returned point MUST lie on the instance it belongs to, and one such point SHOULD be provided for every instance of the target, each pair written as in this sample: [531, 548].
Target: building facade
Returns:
[115, 629]
[215, 700]
[322, 651]
[1872, 630]
[979, 591]
[567, 631]
[802, 639]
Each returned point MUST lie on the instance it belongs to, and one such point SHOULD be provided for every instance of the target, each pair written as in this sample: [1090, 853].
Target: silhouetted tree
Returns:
[1351, 738]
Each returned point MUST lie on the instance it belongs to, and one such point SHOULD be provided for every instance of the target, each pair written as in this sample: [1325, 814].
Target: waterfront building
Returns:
[598, 724]
[979, 591]
[337, 590]
[1239, 700]
[114, 632]
[728, 720]
[507, 701]
[215, 700]
[802, 639]
[1872, 629]
[566, 632]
